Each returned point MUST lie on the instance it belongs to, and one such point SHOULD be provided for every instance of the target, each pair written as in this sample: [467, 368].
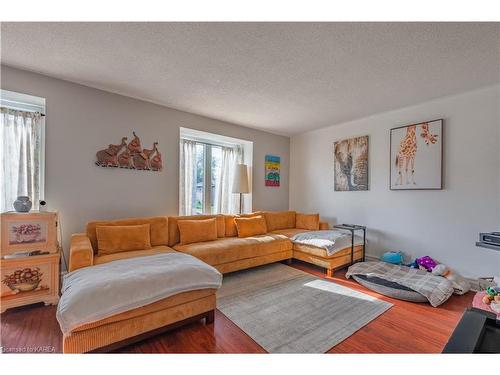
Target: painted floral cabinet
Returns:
[30, 259]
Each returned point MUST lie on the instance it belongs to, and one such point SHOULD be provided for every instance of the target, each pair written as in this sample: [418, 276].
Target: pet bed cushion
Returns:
[435, 289]
[389, 288]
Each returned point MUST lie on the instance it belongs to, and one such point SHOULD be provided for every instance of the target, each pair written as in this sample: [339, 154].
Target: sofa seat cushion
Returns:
[289, 232]
[231, 249]
[132, 254]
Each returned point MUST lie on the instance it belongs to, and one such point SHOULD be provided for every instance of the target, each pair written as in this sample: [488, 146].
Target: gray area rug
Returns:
[286, 310]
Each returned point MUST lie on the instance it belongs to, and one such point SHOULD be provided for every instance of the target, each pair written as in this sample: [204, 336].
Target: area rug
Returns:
[286, 310]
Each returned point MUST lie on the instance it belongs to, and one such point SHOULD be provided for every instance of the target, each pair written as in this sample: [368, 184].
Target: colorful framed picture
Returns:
[417, 156]
[351, 164]
[272, 167]
[29, 232]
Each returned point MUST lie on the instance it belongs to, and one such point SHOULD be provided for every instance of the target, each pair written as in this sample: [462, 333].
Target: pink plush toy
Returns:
[426, 263]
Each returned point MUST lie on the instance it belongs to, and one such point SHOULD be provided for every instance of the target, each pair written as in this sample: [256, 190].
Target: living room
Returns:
[250, 187]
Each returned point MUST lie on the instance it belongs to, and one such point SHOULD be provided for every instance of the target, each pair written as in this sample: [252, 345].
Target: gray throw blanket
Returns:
[436, 289]
[93, 293]
[330, 240]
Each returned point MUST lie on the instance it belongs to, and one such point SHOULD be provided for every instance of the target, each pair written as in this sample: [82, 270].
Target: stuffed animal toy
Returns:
[392, 257]
[460, 284]
[426, 263]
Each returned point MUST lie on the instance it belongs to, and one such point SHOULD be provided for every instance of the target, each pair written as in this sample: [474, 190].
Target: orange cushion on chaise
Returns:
[307, 221]
[116, 239]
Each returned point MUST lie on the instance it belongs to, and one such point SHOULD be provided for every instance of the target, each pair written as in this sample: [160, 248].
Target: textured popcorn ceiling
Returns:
[285, 78]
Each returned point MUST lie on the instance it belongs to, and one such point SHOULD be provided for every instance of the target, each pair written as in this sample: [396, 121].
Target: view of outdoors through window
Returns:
[212, 172]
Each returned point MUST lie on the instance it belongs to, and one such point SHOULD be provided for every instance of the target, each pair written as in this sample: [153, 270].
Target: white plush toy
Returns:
[460, 284]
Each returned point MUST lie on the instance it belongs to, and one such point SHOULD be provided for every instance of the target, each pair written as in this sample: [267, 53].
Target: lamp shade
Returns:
[240, 182]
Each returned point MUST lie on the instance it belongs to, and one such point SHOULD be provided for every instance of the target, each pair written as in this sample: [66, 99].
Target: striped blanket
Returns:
[436, 289]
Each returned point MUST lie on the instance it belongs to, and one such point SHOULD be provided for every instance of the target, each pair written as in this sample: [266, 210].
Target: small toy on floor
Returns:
[392, 257]
[492, 294]
[426, 263]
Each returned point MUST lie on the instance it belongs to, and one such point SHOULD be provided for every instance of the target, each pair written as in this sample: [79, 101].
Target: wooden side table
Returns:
[30, 259]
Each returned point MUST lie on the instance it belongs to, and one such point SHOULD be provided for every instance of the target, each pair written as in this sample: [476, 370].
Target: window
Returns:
[207, 166]
[22, 148]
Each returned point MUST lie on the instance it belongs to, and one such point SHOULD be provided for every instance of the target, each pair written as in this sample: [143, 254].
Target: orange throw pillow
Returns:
[250, 226]
[192, 231]
[307, 221]
[116, 238]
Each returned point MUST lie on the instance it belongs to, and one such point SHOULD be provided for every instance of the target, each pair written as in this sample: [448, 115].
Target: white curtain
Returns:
[187, 177]
[226, 201]
[21, 145]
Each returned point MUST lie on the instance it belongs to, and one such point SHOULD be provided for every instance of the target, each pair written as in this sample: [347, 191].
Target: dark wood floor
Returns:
[405, 328]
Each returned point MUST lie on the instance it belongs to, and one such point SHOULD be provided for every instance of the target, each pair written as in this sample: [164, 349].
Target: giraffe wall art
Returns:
[416, 156]
[351, 164]
[130, 155]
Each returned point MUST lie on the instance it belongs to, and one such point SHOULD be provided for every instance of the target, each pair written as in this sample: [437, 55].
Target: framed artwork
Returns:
[351, 164]
[417, 156]
[23, 232]
[130, 155]
[272, 166]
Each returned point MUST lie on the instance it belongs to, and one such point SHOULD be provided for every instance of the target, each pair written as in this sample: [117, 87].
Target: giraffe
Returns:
[406, 155]
[405, 158]
[426, 134]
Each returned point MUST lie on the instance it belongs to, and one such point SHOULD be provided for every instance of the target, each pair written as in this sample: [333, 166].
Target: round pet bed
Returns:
[389, 288]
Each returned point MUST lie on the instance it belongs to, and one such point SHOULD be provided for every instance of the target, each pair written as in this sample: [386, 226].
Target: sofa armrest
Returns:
[81, 253]
[323, 225]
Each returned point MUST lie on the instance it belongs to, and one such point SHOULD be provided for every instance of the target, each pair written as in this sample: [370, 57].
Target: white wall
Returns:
[81, 120]
[443, 224]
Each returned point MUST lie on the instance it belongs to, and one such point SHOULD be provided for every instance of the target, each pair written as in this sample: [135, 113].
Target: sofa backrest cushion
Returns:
[279, 220]
[230, 226]
[158, 231]
[113, 239]
[250, 226]
[192, 231]
[174, 236]
[307, 221]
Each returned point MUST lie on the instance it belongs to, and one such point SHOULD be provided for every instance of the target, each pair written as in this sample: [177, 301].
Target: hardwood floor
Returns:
[405, 328]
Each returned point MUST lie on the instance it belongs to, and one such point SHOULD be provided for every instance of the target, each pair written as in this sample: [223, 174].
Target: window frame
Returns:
[30, 103]
[209, 140]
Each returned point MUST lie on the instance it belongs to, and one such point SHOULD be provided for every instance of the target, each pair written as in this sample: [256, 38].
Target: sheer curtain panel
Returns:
[21, 147]
[187, 176]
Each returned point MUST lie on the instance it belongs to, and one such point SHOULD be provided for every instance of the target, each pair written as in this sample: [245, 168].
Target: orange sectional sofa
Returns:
[225, 251]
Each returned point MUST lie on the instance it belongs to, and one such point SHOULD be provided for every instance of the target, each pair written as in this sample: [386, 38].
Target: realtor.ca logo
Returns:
[28, 349]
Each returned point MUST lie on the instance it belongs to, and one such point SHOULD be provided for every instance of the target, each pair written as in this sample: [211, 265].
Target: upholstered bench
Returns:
[117, 303]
